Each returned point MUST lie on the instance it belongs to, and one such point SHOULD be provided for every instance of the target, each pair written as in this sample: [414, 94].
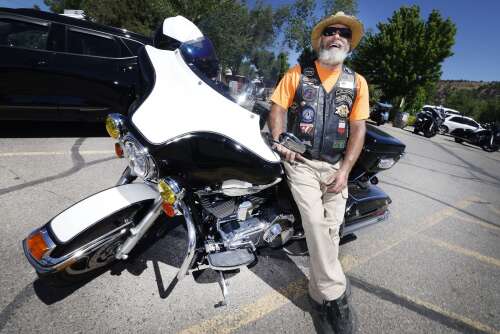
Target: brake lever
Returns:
[291, 142]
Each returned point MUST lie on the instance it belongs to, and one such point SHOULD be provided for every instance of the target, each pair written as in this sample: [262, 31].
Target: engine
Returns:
[245, 222]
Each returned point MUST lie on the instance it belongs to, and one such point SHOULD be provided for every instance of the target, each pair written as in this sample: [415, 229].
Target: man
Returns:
[327, 105]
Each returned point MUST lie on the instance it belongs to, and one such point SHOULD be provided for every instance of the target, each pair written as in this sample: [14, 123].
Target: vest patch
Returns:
[346, 84]
[310, 94]
[308, 72]
[342, 111]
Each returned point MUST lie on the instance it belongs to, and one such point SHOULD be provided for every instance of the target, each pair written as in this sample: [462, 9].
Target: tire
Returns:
[443, 129]
[489, 148]
[415, 130]
[429, 133]
[99, 259]
[459, 140]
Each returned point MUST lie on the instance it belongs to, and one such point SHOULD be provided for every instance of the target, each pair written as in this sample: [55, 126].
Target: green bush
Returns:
[411, 120]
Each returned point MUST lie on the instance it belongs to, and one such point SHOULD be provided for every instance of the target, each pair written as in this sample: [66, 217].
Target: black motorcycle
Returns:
[488, 137]
[428, 122]
[193, 152]
[380, 113]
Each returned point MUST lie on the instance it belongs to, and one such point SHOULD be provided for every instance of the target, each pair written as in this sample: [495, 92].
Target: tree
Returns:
[405, 57]
[349, 7]
[235, 30]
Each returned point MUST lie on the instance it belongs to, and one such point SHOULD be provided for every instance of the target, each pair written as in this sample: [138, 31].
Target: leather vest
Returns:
[321, 119]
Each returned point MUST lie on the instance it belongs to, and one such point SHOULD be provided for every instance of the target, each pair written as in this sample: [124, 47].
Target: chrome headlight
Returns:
[115, 125]
[386, 163]
[140, 161]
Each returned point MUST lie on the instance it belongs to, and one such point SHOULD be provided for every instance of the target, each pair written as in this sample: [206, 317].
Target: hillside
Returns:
[482, 89]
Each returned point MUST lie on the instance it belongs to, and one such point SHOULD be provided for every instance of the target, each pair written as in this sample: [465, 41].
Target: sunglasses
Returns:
[343, 32]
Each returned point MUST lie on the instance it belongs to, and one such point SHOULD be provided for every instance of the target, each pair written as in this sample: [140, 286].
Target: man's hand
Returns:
[287, 154]
[337, 182]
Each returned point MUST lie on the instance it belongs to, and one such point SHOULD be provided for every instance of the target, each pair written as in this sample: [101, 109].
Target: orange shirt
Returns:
[285, 91]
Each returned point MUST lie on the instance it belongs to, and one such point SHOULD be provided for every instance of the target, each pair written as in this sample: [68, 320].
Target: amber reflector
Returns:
[36, 245]
[118, 150]
[168, 209]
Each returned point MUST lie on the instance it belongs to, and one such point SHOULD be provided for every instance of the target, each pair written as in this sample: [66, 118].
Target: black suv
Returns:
[57, 68]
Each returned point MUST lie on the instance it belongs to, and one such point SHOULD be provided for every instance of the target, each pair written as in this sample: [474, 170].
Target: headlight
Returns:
[115, 125]
[139, 160]
[386, 163]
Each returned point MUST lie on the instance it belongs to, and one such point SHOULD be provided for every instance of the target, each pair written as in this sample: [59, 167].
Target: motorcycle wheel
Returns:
[489, 148]
[98, 260]
[429, 134]
[459, 140]
[415, 130]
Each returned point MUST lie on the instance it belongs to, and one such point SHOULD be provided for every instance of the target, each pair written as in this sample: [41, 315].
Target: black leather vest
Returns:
[321, 119]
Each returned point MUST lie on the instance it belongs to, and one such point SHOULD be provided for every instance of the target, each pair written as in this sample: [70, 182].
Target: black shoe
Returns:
[334, 316]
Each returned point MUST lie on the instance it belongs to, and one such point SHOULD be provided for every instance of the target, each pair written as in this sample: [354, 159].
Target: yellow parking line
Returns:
[473, 323]
[276, 299]
[477, 222]
[28, 154]
[463, 251]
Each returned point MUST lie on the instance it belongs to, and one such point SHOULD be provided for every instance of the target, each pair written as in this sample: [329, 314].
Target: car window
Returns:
[133, 45]
[22, 34]
[470, 122]
[92, 44]
[456, 119]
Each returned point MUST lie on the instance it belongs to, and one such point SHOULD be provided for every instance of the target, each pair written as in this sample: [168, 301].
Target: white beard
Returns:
[332, 56]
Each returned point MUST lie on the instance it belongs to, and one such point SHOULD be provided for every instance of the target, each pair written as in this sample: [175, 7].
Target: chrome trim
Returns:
[357, 226]
[191, 233]
[238, 191]
[151, 170]
[138, 231]
[126, 177]
[49, 264]
[119, 121]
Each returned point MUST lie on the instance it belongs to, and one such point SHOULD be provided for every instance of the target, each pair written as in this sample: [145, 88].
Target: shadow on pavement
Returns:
[30, 129]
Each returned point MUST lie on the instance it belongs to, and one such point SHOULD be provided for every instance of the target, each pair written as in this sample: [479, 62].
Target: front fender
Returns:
[83, 226]
[82, 215]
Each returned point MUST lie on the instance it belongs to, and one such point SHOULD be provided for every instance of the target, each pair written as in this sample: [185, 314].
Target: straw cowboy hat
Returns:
[339, 18]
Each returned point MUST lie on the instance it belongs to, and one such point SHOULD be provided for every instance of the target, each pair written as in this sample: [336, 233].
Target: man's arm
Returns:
[277, 126]
[354, 146]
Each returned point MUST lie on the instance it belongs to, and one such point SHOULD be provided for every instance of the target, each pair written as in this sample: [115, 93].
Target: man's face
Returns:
[334, 48]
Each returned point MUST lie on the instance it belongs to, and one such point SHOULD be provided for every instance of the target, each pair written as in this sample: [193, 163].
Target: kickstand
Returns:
[225, 292]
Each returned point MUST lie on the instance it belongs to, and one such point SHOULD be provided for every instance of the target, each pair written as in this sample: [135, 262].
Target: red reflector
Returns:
[168, 209]
[118, 150]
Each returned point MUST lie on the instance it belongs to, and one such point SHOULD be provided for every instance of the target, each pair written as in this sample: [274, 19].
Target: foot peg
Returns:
[231, 259]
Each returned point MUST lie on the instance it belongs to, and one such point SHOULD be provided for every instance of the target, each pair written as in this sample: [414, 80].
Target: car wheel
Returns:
[443, 129]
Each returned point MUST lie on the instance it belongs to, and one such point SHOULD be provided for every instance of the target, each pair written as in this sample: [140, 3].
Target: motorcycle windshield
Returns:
[183, 101]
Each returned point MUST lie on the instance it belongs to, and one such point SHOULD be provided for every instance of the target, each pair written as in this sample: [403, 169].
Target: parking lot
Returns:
[433, 267]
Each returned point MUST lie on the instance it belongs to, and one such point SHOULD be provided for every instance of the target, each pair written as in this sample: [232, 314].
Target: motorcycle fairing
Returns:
[182, 103]
[79, 217]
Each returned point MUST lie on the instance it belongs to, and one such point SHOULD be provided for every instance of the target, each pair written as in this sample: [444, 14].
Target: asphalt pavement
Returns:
[432, 267]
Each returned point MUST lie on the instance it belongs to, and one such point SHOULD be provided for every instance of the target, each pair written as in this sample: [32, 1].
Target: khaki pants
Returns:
[322, 214]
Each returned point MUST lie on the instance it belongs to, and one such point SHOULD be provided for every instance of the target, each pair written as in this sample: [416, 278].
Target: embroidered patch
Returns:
[309, 94]
[341, 128]
[307, 116]
[346, 84]
[308, 71]
[342, 110]
[339, 144]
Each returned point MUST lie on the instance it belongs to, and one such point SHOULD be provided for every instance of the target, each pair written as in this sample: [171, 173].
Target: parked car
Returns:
[380, 112]
[58, 68]
[458, 122]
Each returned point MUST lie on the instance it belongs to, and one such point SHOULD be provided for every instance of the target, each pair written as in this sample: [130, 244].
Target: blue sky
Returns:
[477, 45]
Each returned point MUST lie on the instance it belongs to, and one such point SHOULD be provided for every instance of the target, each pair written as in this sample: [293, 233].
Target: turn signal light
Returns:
[166, 192]
[115, 125]
[168, 209]
[118, 150]
[37, 245]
